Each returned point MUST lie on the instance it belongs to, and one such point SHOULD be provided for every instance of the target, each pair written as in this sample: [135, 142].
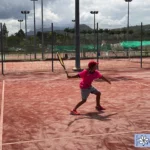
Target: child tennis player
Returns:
[88, 75]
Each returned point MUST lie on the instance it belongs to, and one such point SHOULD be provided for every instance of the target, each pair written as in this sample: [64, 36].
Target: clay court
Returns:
[36, 104]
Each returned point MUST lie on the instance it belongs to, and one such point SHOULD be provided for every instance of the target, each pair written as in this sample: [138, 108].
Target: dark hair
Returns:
[92, 66]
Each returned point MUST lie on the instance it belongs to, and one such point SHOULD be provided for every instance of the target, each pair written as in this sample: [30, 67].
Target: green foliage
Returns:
[106, 30]
[124, 31]
[130, 31]
[5, 31]
[89, 31]
[101, 30]
[83, 32]
[39, 35]
[13, 41]
[20, 34]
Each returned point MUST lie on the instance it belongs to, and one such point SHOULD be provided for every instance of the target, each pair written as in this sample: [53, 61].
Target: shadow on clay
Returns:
[93, 115]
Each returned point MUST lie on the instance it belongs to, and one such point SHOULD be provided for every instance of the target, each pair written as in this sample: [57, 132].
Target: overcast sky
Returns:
[112, 13]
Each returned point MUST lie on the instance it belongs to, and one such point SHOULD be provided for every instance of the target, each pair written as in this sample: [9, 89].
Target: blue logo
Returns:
[142, 140]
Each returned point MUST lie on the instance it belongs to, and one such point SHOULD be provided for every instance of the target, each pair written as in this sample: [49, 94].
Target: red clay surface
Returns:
[37, 109]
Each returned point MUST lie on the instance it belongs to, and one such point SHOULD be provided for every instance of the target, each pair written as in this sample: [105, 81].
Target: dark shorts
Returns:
[86, 92]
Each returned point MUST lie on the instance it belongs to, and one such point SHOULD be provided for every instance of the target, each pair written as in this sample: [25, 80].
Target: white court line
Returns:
[2, 115]
[133, 81]
[81, 136]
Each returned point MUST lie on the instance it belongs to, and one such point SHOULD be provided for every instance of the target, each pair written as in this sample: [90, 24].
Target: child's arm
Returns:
[75, 76]
[105, 79]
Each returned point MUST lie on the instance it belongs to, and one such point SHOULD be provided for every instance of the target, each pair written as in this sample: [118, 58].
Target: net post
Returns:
[52, 47]
[141, 42]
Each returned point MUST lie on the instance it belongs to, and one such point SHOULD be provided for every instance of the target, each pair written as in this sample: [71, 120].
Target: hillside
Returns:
[59, 29]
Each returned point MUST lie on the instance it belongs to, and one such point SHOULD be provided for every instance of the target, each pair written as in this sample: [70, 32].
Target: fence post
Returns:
[97, 49]
[52, 48]
[2, 52]
[141, 42]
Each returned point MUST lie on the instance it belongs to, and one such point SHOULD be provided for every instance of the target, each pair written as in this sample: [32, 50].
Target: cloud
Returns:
[112, 13]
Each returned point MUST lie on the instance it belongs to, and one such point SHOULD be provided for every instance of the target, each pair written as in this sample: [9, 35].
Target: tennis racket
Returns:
[62, 63]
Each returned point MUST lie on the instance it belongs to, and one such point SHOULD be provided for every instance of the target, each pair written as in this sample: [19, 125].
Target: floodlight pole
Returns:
[74, 30]
[94, 12]
[128, 25]
[77, 32]
[25, 13]
[42, 30]
[20, 23]
[34, 30]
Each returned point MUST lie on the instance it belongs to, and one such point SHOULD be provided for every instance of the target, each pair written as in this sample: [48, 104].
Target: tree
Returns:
[39, 35]
[118, 32]
[5, 31]
[84, 32]
[101, 32]
[67, 30]
[20, 34]
[13, 41]
[107, 32]
[89, 31]
[111, 32]
[124, 31]
[5, 35]
[130, 32]
[72, 30]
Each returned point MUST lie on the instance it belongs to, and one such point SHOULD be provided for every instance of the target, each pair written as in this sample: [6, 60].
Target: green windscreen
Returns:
[134, 44]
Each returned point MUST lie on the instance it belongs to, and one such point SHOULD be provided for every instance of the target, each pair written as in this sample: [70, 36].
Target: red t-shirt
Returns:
[87, 78]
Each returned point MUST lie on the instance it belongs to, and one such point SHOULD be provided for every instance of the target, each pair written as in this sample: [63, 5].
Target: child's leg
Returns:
[79, 104]
[98, 96]
[84, 94]
[98, 106]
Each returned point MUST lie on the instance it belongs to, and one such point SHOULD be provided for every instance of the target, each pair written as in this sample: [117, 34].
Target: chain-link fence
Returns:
[100, 43]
